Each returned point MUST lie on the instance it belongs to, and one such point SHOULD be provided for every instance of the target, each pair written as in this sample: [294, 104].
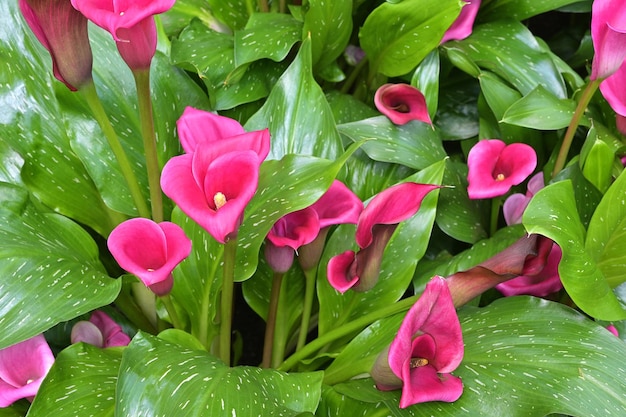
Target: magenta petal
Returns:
[401, 103]
[608, 33]
[495, 167]
[426, 384]
[464, 23]
[295, 229]
[87, 332]
[545, 282]
[137, 44]
[195, 126]
[614, 92]
[111, 331]
[340, 271]
[338, 205]
[390, 206]
[23, 368]
[514, 207]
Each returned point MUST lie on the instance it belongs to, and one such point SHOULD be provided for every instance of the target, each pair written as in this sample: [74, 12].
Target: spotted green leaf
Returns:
[541, 110]
[194, 383]
[49, 269]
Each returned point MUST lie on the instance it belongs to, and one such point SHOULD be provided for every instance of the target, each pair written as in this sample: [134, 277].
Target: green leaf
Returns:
[510, 50]
[297, 114]
[552, 213]
[198, 384]
[598, 165]
[519, 9]
[233, 13]
[82, 381]
[406, 247]
[426, 79]
[541, 110]
[524, 357]
[266, 35]
[396, 38]
[329, 26]
[45, 260]
[607, 233]
[415, 144]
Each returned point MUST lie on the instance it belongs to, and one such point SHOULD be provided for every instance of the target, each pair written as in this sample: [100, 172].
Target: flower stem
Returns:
[91, 96]
[495, 213]
[171, 310]
[142, 82]
[585, 98]
[270, 326]
[346, 329]
[263, 6]
[309, 292]
[226, 307]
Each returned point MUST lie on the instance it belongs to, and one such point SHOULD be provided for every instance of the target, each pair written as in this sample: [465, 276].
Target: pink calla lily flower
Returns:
[62, 30]
[608, 33]
[213, 190]
[198, 126]
[375, 227]
[401, 103]
[23, 368]
[464, 23]
[426, 349]
[101, 331]
[613, 330]
[150, 251]
[494, 167]
[612, 89]
[131, 23]
[515, 204]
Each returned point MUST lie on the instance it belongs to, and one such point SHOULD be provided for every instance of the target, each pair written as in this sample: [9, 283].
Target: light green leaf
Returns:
[329, 26]
[49, 269]
[541, 110]
[552, 213]
[234, 13]
[266, 35]
[426, 79]
[81, 382]
[396, 38]
[598, 165]
[198, 384]
[297, 114]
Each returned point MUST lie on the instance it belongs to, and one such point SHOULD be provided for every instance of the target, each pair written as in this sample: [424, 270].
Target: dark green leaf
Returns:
[519, 9]
[541, 110]
[267, 35]
[426, 79]
[234, 13]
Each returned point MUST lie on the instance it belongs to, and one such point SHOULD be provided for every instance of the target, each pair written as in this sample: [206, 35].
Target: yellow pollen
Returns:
[500, 177]
[417, 362]
[219, 199]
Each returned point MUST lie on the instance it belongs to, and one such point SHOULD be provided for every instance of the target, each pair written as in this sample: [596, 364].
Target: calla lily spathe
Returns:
[608, 33]
[375, 227]
[426, 349]
[101, 331]
[131, 23]
[62, 30]
[150, 251]
[464, 23]
[401, 103]
[494, 167]
[23, 368]
[515, 204]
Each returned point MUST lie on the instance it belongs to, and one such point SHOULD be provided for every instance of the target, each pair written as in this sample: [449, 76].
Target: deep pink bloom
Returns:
[101, 330]
[515, 204]
[608, 33]
[613, 330]
[213, 189]
[150, 251]
[401, 103]
[131, 23]
[23, 368]
[375, 227]
[287, 235]
[199, 126]
[63, 32]
[540, 284]
[494, 167]
[614, 92]
[428, 346]
[463, 25]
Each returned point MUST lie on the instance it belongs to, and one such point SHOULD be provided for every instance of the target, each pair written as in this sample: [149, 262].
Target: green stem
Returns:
[142, 82]
[495, 214]
[353, 76]
[270, 326]
[309, 292]
[91, 96]
[171, 310]
[127, 305]
[226, 306]
[263, 6]
[585, 98]
[346, 329]
[283, 6]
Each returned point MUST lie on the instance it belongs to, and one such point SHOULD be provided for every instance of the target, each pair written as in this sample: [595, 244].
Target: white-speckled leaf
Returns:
[524, 357]
[404, 250]
[81, 382]
[194, 383]
[540, 109]
[329, 24]
[552, 213]
[606, 235]
[233, 13]
[297, 113]
[415, 144]
[49, 269]
[267, 35]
